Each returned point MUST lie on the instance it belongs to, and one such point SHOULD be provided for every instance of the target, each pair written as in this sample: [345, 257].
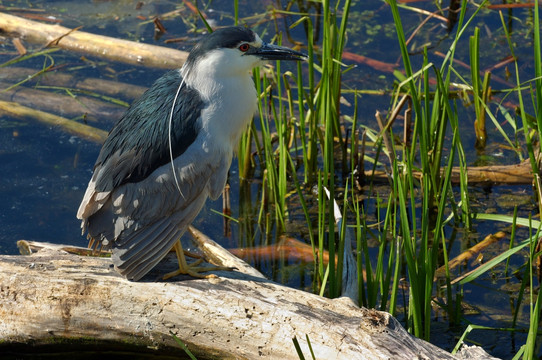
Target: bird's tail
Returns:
[135, 255]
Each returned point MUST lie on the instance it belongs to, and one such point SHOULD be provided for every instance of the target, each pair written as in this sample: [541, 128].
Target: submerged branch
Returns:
[68, 106]
[109, 88]
[469, 255]
[481, 175]
[70, 126]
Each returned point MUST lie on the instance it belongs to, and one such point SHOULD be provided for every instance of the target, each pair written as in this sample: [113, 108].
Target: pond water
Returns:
[44, 171]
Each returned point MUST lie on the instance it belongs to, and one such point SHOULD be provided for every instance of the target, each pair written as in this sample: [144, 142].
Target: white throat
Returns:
[223, 80]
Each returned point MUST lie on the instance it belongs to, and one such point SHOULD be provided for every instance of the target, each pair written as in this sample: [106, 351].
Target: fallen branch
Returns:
[469, 254]
[375, 64]
[220, 256]
[99, 46]
[289, 247]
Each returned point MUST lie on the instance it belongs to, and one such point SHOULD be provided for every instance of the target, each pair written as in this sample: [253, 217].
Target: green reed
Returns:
[304, 143]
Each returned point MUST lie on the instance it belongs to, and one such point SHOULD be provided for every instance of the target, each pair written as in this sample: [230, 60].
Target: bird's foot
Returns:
[195, 271]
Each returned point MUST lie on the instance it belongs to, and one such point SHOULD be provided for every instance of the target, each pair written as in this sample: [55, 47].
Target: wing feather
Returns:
[141, 221]
[139, 142]
[134, 266]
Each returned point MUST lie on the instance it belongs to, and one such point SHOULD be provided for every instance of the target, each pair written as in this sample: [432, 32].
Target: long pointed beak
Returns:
[275, 52]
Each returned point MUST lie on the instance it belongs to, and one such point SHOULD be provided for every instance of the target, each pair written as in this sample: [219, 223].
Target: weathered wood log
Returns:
[104, 47]
[52, 295]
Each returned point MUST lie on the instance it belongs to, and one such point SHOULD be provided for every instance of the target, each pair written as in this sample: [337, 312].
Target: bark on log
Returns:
[89, 44]
[52, 294]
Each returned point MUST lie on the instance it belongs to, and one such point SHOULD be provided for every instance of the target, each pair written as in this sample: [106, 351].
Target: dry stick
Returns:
[375, 64]
[194, 9]
[19, 46]
[429, 13]
[27, 247]
[469, 254]
[509, 6]
[92, 45]
[422, 23]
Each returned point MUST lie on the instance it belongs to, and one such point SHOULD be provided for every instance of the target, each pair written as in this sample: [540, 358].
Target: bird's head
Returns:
[234, 51]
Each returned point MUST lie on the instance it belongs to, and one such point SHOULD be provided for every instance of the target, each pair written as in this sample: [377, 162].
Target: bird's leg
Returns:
[192, 269]
[94, 246]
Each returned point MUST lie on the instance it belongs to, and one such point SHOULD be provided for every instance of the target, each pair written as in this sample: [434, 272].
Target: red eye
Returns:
[244, 47]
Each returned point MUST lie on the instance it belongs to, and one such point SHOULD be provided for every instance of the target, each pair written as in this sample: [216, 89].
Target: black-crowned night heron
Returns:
[173, 149]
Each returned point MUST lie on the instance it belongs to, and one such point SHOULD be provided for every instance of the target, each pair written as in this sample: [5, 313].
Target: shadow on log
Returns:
[53, 295]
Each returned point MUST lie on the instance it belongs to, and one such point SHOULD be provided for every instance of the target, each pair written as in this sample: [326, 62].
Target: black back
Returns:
[139, 143]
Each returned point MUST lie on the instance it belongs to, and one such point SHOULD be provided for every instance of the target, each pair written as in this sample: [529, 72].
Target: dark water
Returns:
[44, 171]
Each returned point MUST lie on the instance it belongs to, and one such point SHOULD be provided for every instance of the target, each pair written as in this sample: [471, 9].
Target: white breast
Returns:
[223, 80]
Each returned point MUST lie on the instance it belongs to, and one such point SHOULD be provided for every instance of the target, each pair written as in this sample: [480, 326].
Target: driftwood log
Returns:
[54, 295]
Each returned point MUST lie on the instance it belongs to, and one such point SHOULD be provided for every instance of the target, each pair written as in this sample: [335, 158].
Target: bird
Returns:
[172, 150]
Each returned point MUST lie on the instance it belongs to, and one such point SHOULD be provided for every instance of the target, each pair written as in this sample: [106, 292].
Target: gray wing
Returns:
[139, 143]
[142, 221]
